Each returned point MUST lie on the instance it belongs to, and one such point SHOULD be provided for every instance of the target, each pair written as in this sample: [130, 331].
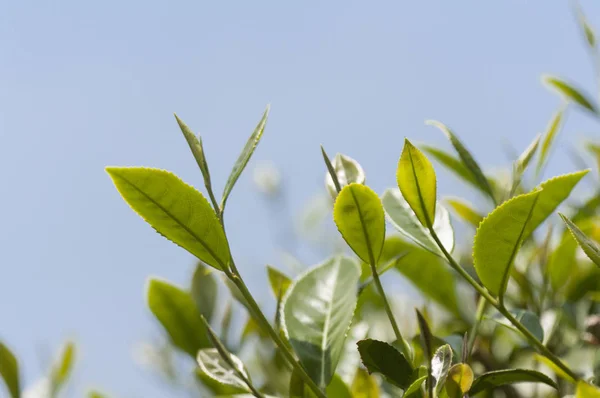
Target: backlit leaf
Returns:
[9, 371]
[551, 132]
[317, 311]
[585, 390]
[380, 357]
[570, 93]
[63, 367]
[465, 211]
[491, 380]
[415, 388]
[453, 164]
[279, 282]
[364, 385]
[176, 210]
[214, 366]
[459, 381]
[440, 365]
[525, 158]
[204, 290]
[590, 248]
[347, 171]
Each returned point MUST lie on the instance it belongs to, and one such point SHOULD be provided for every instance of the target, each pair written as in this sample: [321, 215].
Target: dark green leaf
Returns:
[499, 378]
[9, 370]
[63, 367]
[195, 144]
[380, 357]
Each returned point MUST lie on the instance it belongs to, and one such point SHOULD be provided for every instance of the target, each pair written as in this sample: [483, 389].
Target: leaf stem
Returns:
[481, 307]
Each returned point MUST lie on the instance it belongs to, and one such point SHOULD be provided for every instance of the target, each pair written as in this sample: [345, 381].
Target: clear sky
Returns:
[88, 84]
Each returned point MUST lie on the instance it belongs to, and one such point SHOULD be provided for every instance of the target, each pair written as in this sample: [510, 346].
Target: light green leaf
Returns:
[526, 318]
[9, 371]
[553, 192]
[364, 385]
[337, 388]
[466, 158]
[279, 282]
[453, 164]
[551, 132]
[96, 394]
[177, 312]
[62, 369]
[560, 262]
[440, 365]
[347, 171]
[465, 211]
[380, 357]
[586, 390]
[415, 387]
[317, 311]
[360, 219]
[244, 157]
[405, 221]
[204, 290]
[569, 92]
[498, 239]
[525, 158]
[491, 380]
[588, 31]
[590, 248]
[416, 179]
[460, 379]
[217, 368]
[176, 210]
[195, 144]
[559, 372]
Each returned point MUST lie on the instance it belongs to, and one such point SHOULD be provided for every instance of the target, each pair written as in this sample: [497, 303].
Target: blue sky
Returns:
[90, 84]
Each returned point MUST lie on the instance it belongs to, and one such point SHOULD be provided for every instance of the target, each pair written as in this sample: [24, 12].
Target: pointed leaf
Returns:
[585, 390]
[588, 31]
[364, 385]
[204, 290]
[498, 239]
[465, 211]
[560, 262]
[9, 371]
[460, 379]
[570, 93]
[382, 358]
[551, 132]
[453, 164]
[214, 366]
[360, 219]
[195, 144]
[466, 158]
[499, 378]
[332, 173]
[440, 365]
[415, 387]
[590, 248]
[347, 171]
[62, 369]
[279, 282]
[244, 157]
[176, 210]
[405, 221]
[525, 158]
[317, 311]
[177, 312]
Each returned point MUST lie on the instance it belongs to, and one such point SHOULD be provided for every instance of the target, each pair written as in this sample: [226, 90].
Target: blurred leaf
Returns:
[569, 92]
[9, 370]
[527, 318]
[360, 219]
[226, 321]
[591, 248]
[466, 158]
[581, 284]
[453, 164]
[551, 132]
[426, 338]
[559, 372]
[524, 159]
[588, 31]
[279, 281]
[465, 211]
[251, 327]
[364, 385]
[244, 157]
[404, 220]
[195, 144]
[96, 394]
[498, 239]
[236, 294]
[415, 388]
[318, 309]
[204, 290]
[347, 171]
[380, 357]
[585, 390]
[336, 388]
[176, 210]
[62, 369]
[460, 379]
[560, 262]
[177, 312]
[440, 365]
[216, 367]
[218, 388]
[491, 380]
[416, 179]
[332, 173]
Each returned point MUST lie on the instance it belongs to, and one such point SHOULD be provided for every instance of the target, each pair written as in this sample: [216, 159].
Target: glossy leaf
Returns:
[440, 365]
[466, 158]
[586, 390]
[549, 136]
[491, 380]
[176, 210]
[279, 282]
[359, 217]
[465, 211]
[204, 290]
[380, 357]
[589, 247]
[416, 179]
[214, 366]
[177, 312]
[347, 171]
[195, 144]
[364, 385]
[459, 381]
[244, 157]
[405, 221]
[498, 239]
[570, 93]
[63, 367]
[317, 311]
[9, 371]
[527, 318]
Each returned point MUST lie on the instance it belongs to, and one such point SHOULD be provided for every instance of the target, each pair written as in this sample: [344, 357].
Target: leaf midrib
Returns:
[364, 228]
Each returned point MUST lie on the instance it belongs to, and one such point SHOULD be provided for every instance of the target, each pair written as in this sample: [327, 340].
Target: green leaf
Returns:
[551, 132]
[96, 394]
[415, 387]
[585, 390]
[336, 388]
[360, 219]
[498, 239]
[460, 379]
[559, 372]
[466, 158]
[453, 164]
[9, 371]
[62, 369]
[204, 290]
[590, 248]
[317, 311]
[465, 211]
[527, 318]
[279, 282]
[380, 357]
[553, 192]
[176, 210]
[347, 171]
[569, 92]
[588, 31]
[195, 144]
[426, 338]
[525, 158]
[405, 221]
[416, 179]
[177, 312]
[364, 385]
[491, 380]
[440, 365]
[244, 157]
[332, 173]
[560, 262]
[217, 368]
